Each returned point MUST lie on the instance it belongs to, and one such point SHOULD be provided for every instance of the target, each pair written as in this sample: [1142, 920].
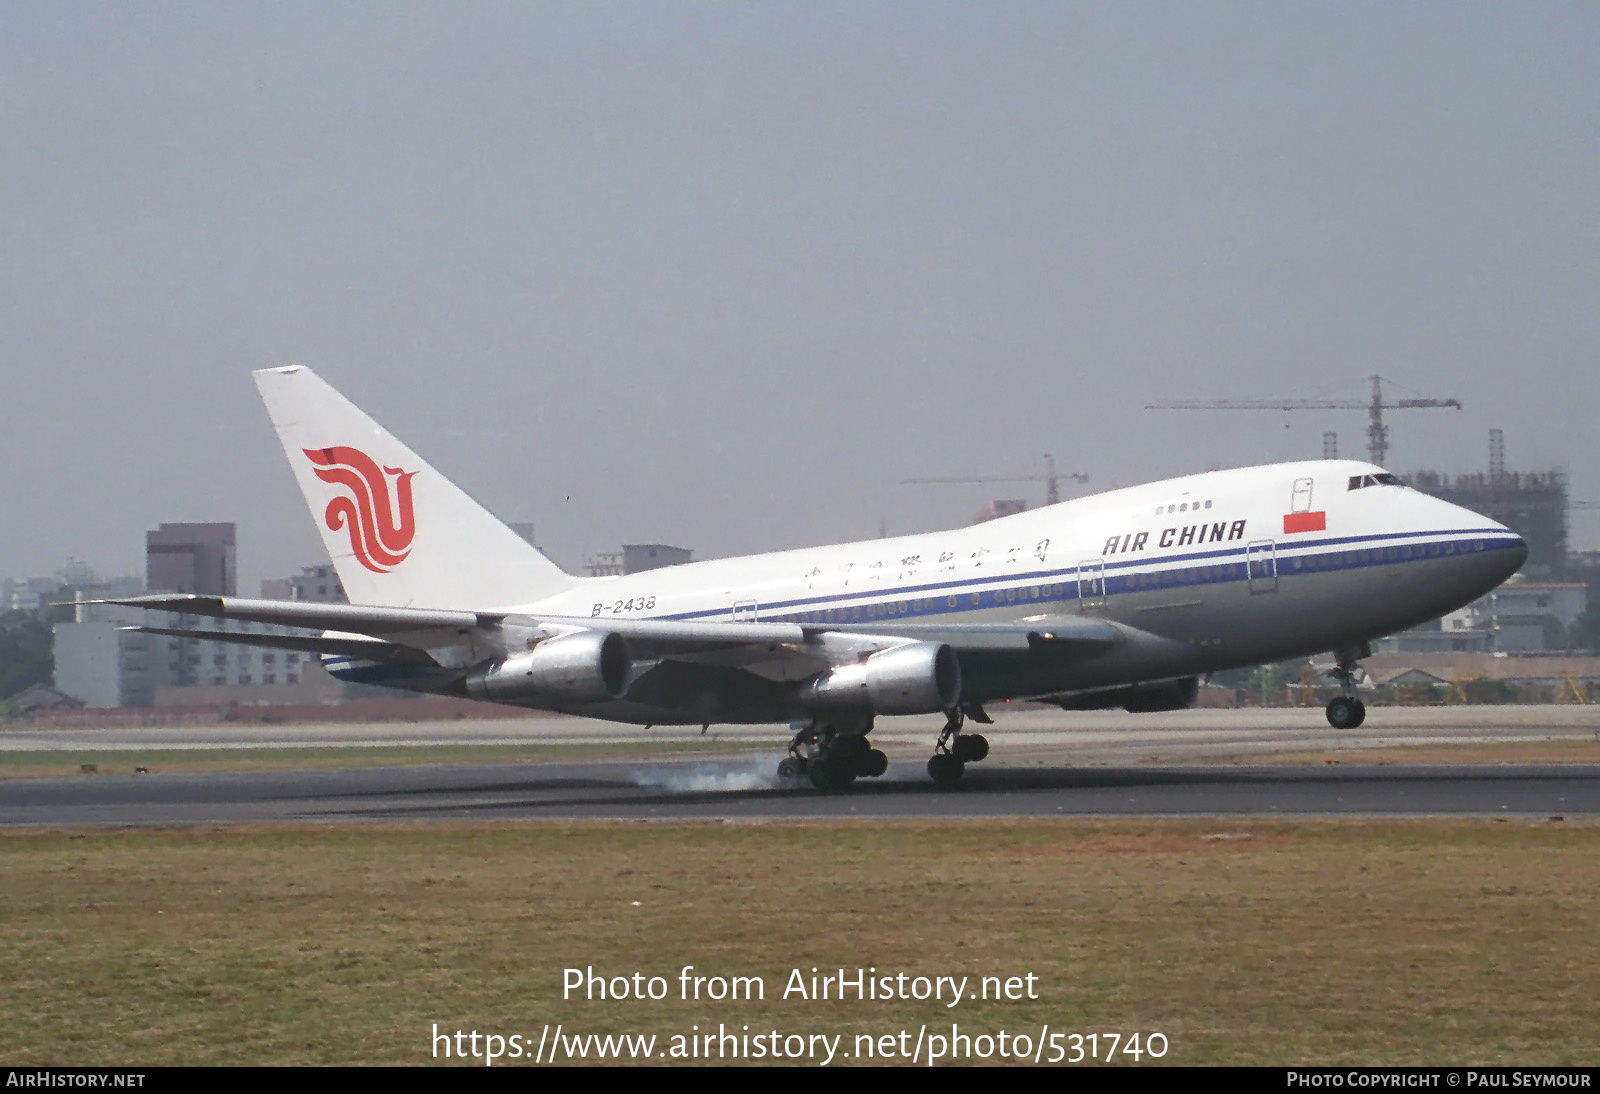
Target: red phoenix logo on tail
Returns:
[380, 533]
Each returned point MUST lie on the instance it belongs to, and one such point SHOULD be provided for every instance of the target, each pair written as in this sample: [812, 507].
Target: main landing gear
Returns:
[1346, 711]
[955, 750]
[833, 755]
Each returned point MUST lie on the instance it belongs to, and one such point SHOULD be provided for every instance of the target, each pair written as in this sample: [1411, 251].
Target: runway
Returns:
[741, 789]
[1043, 764]
[1079, 737]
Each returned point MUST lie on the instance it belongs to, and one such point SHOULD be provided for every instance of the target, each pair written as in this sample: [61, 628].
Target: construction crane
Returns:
[1377, 431]
[1050, 478]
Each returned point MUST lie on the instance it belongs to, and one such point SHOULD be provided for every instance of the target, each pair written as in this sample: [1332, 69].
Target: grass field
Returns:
[43, 763]
[1287, 942]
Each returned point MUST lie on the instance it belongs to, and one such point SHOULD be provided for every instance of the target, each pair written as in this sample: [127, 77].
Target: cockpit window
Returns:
[1385, 479]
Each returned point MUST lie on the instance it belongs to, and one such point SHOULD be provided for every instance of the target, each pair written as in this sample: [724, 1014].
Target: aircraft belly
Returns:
[687, 693]
[1305, 612]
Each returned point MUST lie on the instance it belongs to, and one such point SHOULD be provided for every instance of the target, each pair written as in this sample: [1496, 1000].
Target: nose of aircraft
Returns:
[1513, 555]
[1507, 549]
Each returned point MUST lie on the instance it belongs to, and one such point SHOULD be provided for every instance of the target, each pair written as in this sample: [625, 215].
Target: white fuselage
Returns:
[1214, 570]
[1138, 541]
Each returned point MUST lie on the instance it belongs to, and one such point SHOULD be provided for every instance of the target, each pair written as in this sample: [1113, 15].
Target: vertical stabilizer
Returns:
[399, 533]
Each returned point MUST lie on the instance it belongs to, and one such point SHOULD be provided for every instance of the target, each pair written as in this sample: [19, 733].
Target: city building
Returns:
[639, 557]
[1000, 507]
[318, 583]
[635, 558]
[1518, 617]
[191, 558]
[100, 662]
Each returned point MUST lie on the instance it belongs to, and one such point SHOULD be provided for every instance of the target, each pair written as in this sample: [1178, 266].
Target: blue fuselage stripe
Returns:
[1240, 562]
[1135, 575]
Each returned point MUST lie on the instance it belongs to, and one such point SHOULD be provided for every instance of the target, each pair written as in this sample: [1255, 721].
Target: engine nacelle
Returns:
[917, 678]
[582, 667]
[1147, 698]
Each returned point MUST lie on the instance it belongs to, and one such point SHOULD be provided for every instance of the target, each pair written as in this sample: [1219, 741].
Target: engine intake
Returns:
[586, 666]
[917, 678]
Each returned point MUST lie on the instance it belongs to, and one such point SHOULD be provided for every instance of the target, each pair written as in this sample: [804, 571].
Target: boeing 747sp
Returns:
[1123, 599]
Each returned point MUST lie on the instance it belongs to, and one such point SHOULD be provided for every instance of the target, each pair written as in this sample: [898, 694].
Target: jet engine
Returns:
[917, 678]
[585, 666]
[1145, 698]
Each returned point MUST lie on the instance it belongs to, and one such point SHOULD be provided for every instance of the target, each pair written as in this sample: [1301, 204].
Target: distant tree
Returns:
[27, 654]
[1584, 634]
[1556, 637]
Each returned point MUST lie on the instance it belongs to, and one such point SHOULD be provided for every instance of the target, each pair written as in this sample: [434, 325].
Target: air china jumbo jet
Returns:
[1123, 599]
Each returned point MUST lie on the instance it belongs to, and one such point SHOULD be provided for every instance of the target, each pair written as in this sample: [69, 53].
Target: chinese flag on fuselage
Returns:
[1304, 522]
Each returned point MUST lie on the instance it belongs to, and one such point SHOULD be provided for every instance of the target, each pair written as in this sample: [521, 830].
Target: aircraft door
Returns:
[1091, 584]
[1300, 499]
[1261, 562]
[745, 611]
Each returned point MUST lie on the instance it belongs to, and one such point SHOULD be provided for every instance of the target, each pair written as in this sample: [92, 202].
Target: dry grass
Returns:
[1298, 941]
[45, 763]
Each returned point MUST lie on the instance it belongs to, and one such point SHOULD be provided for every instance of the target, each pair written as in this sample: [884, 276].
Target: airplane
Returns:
[1120, 599]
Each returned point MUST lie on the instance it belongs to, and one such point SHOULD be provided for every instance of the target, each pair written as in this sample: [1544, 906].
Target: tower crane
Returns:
[1377, 431]
[1050, 478]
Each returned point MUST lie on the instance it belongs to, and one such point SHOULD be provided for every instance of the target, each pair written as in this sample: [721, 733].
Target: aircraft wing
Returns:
[450, 637]
[1060, 633]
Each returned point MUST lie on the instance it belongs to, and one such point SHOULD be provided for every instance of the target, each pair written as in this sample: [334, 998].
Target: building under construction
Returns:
[1534, 505]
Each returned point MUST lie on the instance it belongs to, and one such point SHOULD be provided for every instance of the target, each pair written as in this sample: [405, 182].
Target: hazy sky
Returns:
[725, 274]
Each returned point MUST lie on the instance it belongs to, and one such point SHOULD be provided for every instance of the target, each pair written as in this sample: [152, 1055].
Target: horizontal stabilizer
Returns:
[298, 613]
[365, 649]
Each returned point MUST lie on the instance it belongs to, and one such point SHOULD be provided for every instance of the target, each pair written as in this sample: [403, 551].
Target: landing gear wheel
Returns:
[791, 767]
[829, 775]
[969, 748]
[851, 750]
[945, 769]
[873, 764]
[1346, 713]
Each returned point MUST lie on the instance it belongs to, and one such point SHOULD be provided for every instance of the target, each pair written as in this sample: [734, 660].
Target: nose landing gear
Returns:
[1346, 711]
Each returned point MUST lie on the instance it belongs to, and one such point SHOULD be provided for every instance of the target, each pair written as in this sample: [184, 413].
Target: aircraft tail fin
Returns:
[399, 533]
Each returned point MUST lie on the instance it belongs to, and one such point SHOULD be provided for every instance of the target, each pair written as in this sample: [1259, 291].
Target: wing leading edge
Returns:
[461, 638]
